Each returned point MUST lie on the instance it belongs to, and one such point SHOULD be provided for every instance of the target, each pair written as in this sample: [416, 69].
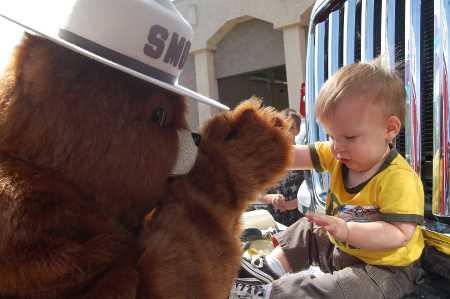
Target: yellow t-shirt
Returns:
[394, 193]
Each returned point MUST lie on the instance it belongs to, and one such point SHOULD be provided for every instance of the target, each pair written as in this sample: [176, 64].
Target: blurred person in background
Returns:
[281, 199]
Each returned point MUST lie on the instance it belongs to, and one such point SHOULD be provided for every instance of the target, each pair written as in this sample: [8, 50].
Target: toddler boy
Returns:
[369, 241]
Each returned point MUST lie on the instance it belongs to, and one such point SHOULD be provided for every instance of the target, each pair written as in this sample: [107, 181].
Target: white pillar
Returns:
[294, 38]
[205, 77]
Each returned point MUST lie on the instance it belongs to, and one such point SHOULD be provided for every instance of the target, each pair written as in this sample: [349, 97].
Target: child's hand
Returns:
[278, 201]
[336, 226]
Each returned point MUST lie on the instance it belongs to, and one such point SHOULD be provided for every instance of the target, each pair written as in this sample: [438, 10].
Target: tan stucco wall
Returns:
[250, 46]
[211, 19]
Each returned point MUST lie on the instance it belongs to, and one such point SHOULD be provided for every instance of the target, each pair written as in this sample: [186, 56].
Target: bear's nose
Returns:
[197, 138]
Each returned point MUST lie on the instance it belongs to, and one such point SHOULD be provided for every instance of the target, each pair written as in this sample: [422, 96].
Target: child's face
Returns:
[359, 132]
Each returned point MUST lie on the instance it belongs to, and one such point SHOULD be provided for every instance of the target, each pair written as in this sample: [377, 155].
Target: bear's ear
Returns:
[244, 117]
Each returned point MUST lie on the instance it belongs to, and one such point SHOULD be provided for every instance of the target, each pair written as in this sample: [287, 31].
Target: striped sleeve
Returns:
[401, 197]
[321, 156]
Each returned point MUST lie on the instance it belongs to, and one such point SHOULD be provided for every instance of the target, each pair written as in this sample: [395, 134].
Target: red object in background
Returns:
[301, 109]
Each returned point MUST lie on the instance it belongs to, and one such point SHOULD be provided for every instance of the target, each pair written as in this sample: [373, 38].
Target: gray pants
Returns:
[346, 277]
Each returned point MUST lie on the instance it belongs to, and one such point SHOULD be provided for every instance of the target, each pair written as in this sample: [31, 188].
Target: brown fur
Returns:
[81, 162]
[242, 152]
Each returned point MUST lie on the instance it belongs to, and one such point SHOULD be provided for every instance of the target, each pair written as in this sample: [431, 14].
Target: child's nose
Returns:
[338, 147]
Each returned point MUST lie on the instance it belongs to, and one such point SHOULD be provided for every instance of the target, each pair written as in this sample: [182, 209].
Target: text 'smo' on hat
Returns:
[148, 39]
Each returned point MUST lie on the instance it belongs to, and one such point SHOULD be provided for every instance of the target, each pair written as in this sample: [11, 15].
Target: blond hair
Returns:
[373, 80]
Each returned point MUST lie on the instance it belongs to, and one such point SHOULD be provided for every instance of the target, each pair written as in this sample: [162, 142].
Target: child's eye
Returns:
[350, 138]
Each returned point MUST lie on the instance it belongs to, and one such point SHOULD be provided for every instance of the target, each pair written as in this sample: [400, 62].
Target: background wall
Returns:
[238, 40]
[250, 46]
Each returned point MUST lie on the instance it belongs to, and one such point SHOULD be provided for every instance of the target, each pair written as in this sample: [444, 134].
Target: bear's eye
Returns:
[159, 117]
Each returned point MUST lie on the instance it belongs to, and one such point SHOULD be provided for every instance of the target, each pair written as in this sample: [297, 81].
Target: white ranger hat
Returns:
[148, 39]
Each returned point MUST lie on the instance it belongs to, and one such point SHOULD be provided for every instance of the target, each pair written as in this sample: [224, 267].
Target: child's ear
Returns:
[393, 126]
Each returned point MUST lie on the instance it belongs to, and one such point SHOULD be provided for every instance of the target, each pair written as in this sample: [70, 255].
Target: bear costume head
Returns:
[95, 126]
[84, 117]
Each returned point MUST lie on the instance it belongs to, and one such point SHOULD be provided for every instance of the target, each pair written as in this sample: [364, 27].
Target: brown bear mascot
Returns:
[92, 132]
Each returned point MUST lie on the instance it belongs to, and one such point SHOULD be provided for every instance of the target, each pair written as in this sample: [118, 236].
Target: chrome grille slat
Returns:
[319, 57]
[440, 204]
[349, 31]
[333, 42]
[319, 181]
[367, 27]
[388, 31]
[413, 133]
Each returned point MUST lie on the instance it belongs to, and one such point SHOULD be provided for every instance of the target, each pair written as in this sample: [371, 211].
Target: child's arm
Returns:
[379, 235]
[302, 158]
